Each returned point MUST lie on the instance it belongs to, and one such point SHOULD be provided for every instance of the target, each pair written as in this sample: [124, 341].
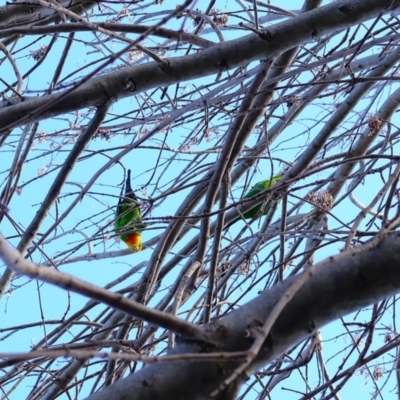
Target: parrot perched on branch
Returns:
[128, 222]
[257, 188]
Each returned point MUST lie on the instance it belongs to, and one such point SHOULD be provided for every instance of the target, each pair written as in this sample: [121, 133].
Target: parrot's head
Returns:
[134, 242]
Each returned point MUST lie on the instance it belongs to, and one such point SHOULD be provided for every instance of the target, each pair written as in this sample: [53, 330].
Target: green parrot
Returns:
[257, 188]
[128, 218]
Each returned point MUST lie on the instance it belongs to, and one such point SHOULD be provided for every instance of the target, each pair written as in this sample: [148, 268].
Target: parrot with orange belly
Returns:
[128, 222]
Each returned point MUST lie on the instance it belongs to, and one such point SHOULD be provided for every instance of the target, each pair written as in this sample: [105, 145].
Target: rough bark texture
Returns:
[338, 288]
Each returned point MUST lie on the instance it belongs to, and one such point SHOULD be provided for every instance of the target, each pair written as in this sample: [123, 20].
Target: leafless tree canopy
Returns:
[201, 100]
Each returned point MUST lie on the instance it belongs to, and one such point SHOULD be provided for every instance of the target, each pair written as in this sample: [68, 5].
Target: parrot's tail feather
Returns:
[128, 187]
[232, 222]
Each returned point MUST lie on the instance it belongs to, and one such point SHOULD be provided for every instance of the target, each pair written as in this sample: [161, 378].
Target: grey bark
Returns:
[269, 43]
[343, 285]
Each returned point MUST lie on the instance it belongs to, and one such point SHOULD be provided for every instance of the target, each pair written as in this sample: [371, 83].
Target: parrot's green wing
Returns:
[257, 188]
[128, 222]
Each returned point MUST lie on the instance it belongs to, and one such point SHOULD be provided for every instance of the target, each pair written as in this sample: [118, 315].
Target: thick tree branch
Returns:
[268, 43]
[346, 284]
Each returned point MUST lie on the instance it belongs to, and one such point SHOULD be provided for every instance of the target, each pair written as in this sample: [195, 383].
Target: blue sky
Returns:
[95, 211]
